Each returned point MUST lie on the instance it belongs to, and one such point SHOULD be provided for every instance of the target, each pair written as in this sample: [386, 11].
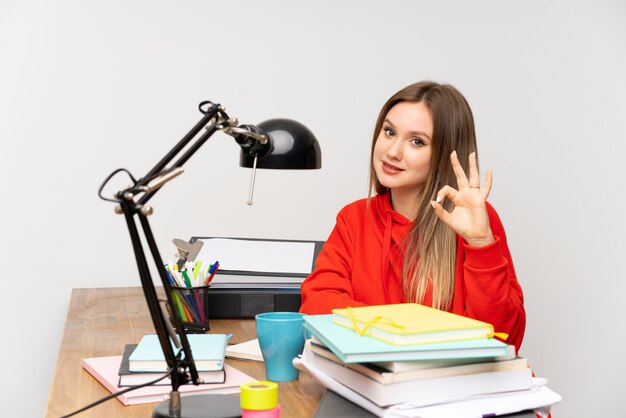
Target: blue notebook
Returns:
[207, 350]
[353, 348]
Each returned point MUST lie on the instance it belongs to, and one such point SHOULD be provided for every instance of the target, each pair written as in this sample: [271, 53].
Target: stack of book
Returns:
[144, 362]
[412, 354]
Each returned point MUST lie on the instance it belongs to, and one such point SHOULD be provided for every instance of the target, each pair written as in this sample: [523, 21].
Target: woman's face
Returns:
[403, 148]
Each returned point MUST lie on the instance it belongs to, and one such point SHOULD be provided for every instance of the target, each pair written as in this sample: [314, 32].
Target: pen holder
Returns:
[191, 304]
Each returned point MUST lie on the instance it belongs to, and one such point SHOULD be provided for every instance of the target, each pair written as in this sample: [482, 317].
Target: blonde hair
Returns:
[430, 247]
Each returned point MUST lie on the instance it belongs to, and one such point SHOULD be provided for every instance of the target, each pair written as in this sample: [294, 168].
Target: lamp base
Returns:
[202, 406]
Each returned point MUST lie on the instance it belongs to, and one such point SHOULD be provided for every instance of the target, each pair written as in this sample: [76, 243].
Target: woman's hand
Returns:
[469, 217]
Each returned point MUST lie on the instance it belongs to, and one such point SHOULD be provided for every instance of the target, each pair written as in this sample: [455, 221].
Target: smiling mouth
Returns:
[391, 167]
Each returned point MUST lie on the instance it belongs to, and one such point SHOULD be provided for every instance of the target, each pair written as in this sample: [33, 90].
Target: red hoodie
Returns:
[361, 264]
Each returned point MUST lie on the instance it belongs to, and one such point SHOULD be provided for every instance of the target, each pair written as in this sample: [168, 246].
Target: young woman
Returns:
[428, 235]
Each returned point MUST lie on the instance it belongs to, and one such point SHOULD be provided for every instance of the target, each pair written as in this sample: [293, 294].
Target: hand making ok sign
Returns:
[469, 217]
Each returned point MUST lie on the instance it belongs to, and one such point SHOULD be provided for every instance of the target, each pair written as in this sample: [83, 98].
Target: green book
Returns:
[207, 349]
[128, 378]
[351, 347]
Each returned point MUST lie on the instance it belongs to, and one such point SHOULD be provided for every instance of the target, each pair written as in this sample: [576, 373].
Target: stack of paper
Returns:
[420, 387]
[254, 263]
[538, 398]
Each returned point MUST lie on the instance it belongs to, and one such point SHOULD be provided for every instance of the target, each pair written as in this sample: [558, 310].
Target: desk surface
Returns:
[101, 321]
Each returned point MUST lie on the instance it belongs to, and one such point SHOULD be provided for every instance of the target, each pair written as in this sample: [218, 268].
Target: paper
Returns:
[259, 256]
[331, 384]
[249, 350]
[230, 279]
[539, 398]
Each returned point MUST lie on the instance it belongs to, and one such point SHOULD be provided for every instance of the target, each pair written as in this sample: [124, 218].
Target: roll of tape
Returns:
[257, 396]
[266, 413]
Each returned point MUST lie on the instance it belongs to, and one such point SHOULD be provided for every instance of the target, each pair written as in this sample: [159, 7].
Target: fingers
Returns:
[474, 180]
[461, 178]
[446, 192]
[486, 189]
[441, 212]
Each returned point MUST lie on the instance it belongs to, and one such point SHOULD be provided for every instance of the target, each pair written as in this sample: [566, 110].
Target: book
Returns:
[353, 348]
[411, 323]
[128, 378]
[487, 405]
[419, 390]
[403, 366]
[207, 349]
[105, 370]
[249, 350]
[384, 376]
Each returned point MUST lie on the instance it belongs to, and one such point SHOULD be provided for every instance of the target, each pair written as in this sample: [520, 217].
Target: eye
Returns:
[389, 132]
[417, 142]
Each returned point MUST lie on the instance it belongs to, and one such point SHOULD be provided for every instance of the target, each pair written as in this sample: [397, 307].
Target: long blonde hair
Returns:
[430, 247]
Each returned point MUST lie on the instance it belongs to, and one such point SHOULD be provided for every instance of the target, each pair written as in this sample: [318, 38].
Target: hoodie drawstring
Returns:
[386, 265]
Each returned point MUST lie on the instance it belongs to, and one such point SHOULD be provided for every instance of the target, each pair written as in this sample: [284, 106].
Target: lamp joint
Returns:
[146, 210]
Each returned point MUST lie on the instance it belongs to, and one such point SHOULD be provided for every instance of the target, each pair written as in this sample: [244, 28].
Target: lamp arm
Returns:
[250, 138]
[159, 320]
[212, 112]
[252, 141]
[178, 373]
[210, 130]
[131, 208]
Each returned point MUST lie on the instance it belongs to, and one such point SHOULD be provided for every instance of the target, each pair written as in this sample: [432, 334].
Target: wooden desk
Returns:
[101, 321]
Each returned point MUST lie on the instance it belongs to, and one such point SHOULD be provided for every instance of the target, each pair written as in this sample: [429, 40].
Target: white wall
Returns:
[89, 86]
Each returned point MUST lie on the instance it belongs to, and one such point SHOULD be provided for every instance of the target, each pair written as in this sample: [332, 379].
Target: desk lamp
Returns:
[276, 143]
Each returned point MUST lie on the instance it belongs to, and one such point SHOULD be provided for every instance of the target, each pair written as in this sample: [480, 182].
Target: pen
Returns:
[186, 278]
[176, 296]
[212, 271]
[188, 313]
[196, 269]
[177, 279]
[202, 276]
[169, 276]
[179, 305]
[194, 299]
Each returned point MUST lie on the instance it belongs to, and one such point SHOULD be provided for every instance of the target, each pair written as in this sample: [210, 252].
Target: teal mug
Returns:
[281, 338]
